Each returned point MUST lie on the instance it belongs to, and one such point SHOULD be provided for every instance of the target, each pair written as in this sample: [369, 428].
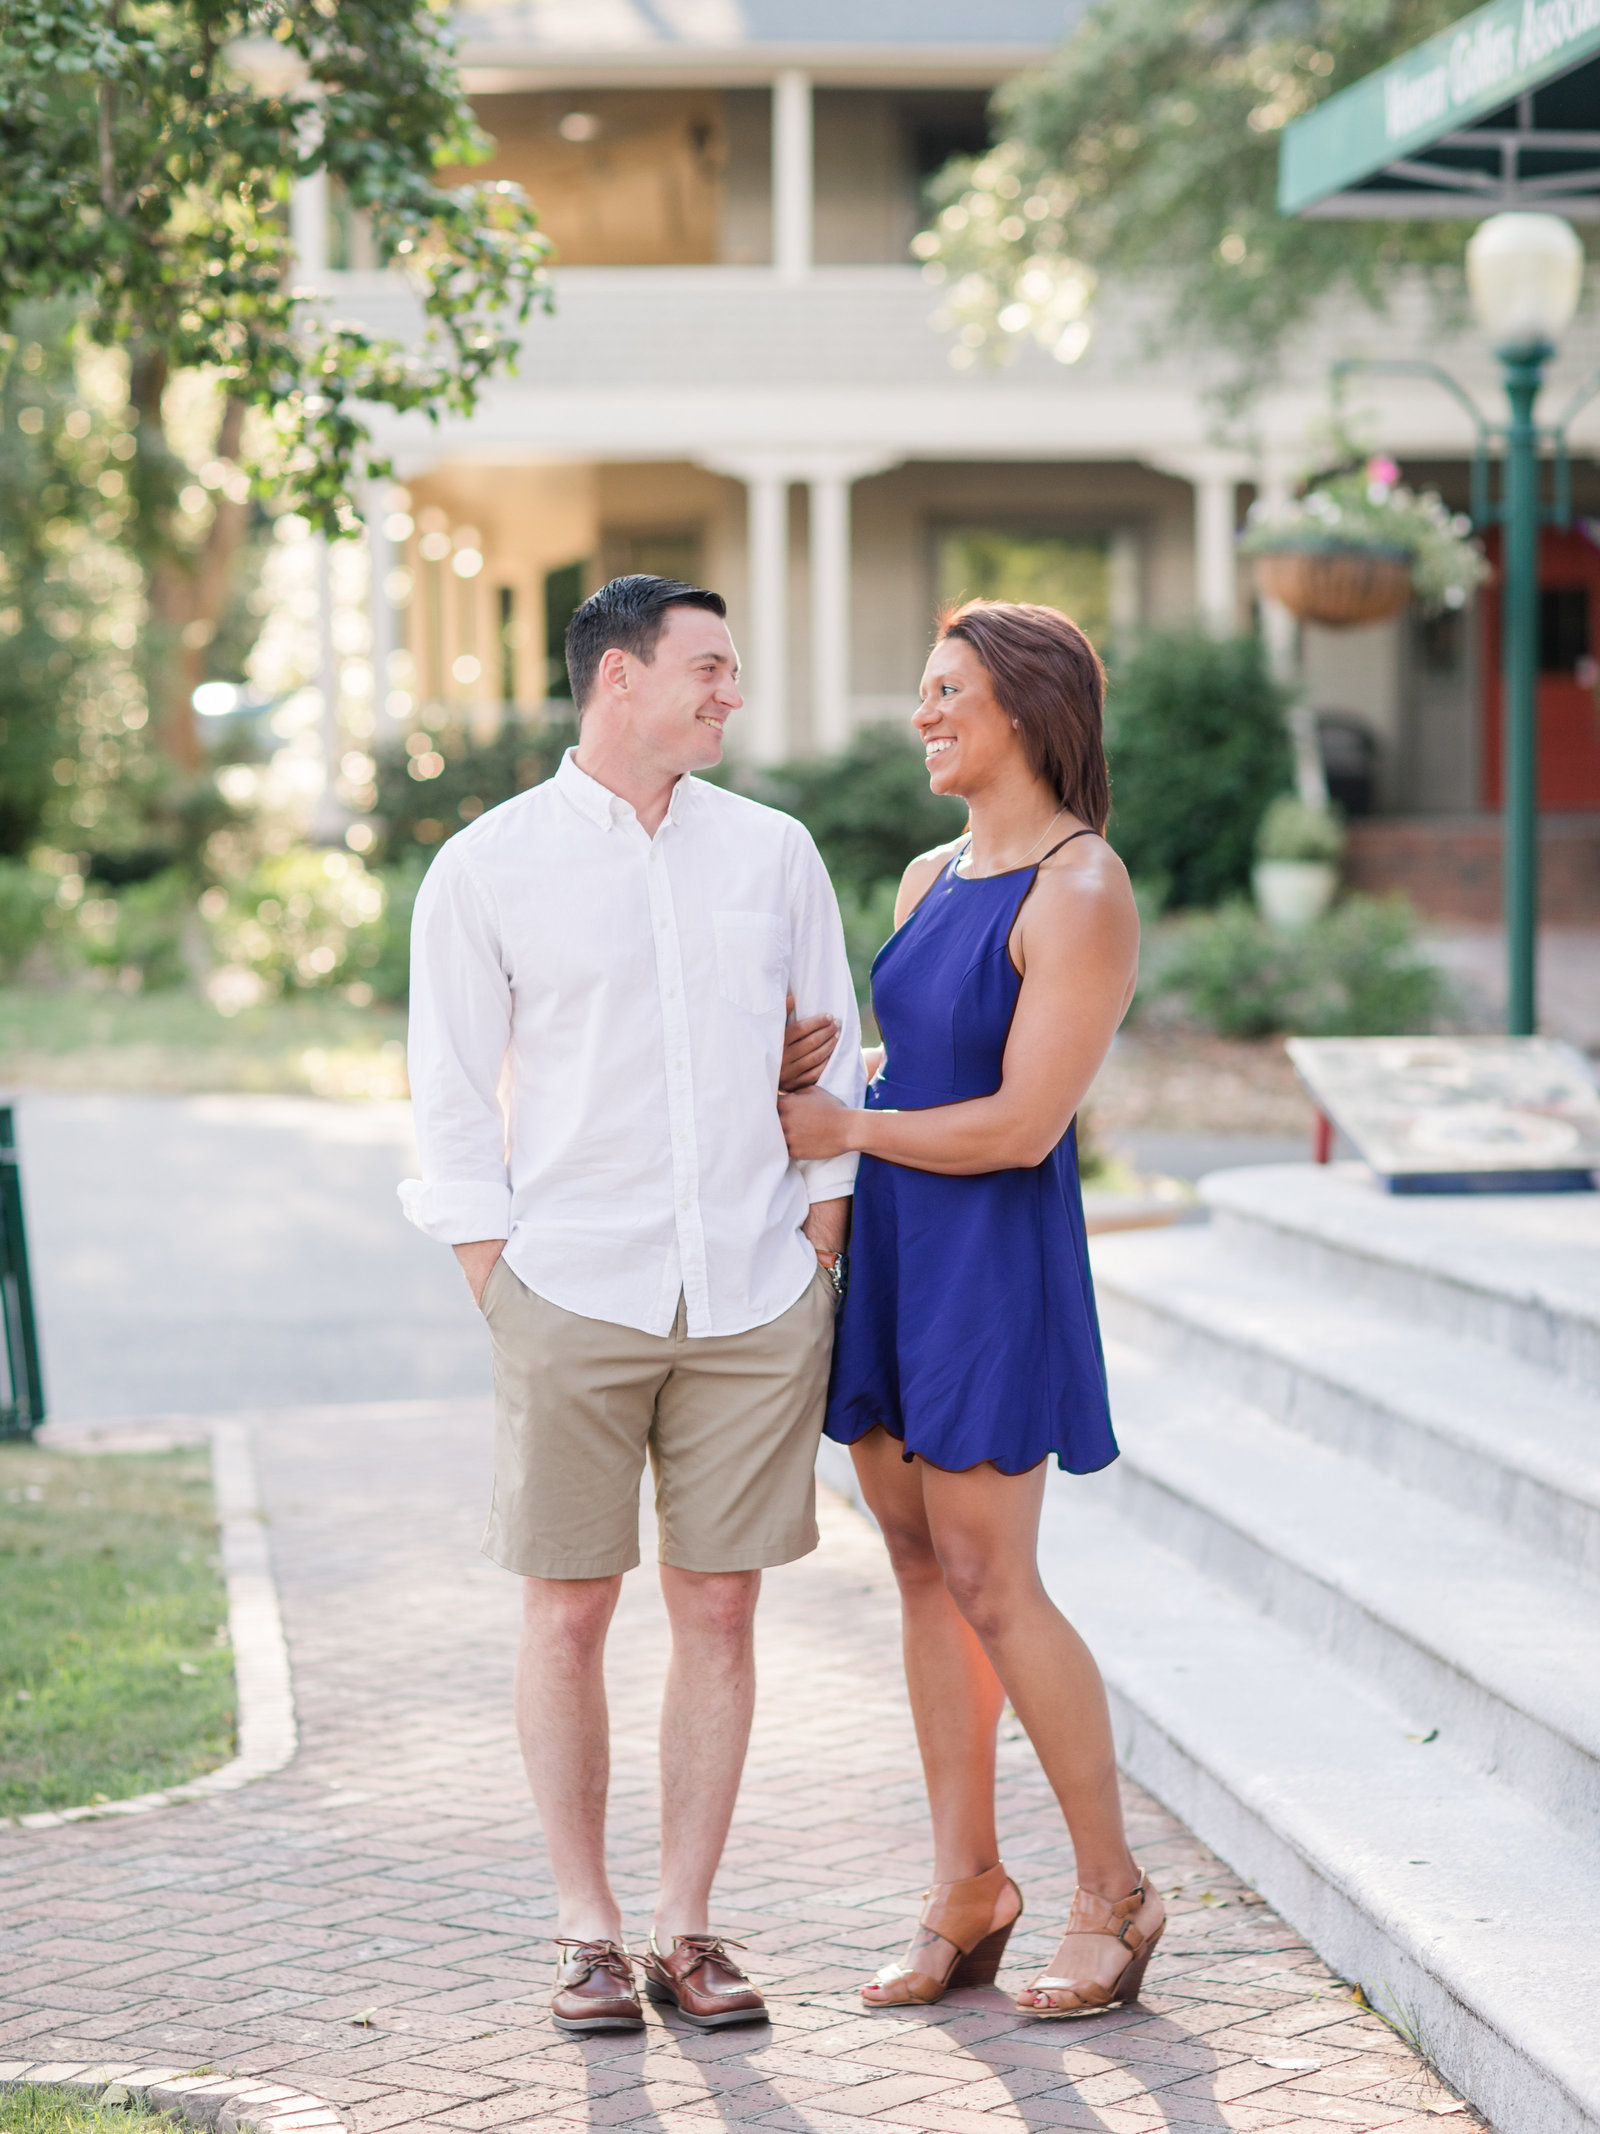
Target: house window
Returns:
[1064, 571]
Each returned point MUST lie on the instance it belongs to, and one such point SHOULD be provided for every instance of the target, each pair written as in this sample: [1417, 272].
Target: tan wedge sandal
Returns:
[1137, 1922]
[961, 1915]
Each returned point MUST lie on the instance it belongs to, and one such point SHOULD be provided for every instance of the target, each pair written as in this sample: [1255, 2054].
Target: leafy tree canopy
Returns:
[147, 153]
[1150, 148]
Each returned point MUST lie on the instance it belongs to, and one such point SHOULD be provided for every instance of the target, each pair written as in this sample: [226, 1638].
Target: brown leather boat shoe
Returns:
[594, 1988]
[701, 1980]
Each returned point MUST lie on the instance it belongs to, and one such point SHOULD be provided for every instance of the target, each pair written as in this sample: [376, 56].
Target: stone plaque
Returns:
[1460, 1114]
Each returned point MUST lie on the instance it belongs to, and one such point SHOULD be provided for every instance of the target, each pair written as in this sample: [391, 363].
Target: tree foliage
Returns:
[67, 706]
[1150, 148]
[147, 153]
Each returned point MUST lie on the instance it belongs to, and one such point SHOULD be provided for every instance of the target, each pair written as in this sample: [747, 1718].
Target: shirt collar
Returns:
[605, 808]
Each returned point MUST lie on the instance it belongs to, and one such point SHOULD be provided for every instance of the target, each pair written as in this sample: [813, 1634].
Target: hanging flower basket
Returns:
[1336, 586]
[1359, 547]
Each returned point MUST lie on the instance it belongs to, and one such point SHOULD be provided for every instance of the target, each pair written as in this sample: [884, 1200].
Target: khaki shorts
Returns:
[730, 1424]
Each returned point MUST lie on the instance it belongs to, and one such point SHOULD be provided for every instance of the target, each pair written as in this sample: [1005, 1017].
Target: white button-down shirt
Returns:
[597, 1023]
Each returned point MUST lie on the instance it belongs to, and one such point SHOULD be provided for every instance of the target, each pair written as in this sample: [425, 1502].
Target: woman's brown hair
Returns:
[1048, 680]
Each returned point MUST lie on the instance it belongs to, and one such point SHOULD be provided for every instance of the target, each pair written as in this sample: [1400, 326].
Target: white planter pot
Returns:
[1292, 894]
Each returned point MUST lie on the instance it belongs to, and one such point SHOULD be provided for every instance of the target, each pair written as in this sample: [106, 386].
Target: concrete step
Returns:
[1516, 1271]
[1462, 1910]
[1495, 1647]
[1470, 1423]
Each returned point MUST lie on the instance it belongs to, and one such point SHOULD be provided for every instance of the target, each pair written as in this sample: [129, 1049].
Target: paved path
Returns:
[370, 1926]
[201, 1254]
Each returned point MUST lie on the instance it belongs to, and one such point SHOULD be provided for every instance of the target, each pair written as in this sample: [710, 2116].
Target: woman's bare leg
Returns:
[956, 1698]
[984, 1530]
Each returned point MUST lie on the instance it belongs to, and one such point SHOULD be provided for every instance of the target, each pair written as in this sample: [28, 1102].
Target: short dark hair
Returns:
[628, 615]
[1047, 677]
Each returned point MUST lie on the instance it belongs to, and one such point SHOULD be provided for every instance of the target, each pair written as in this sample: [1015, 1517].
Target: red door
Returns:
[1569, 685]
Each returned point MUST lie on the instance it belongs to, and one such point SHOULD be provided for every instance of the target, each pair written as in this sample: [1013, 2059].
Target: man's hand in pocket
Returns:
[477, 1263]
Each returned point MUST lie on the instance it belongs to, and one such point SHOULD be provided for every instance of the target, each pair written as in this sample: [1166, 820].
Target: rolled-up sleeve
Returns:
[460, 1028]
[819, 973]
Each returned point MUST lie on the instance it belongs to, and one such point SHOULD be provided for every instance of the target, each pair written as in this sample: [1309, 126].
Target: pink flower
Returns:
[1383, 471]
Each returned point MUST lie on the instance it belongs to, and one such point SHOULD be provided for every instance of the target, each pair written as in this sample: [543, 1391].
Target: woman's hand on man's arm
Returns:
[1079, 943]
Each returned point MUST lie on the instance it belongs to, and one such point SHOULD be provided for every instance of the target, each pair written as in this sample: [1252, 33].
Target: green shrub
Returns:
[1198, 746]
[416, 814]
[139, 932]
[1355, 973]
[1374, 979]
[869, 808]
[1291, 831]
[384, 955]
[868, 917]
[26, 897]
[303, 921]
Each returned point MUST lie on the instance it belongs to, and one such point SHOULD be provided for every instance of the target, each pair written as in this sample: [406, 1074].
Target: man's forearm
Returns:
[827, 1226]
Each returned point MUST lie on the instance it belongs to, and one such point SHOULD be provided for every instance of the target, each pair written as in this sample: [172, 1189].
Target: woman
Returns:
[968, 1345]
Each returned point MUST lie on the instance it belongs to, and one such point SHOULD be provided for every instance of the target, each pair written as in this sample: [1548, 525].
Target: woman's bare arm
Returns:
[1077, 944]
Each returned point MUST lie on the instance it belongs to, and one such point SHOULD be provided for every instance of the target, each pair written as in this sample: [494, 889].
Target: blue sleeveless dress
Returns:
[969, 1331]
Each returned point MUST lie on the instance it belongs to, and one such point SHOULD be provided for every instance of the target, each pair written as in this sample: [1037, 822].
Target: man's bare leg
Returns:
[705, 1729]
[564, 1729]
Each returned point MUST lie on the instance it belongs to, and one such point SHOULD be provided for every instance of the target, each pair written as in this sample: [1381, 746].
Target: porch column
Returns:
[792, 176]
[1215, 572]
[308, 226]
[379, 501]
[830, 613]
[1214, 475]
[329, 817]
[767, 506]
[831, 483]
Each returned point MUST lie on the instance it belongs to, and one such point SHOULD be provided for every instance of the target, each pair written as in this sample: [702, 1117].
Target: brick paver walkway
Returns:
[370, 1926]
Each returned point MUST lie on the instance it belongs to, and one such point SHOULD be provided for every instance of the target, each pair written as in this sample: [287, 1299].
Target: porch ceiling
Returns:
[545, 43]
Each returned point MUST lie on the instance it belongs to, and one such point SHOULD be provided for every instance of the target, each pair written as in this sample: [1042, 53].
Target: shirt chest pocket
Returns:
[752, 960]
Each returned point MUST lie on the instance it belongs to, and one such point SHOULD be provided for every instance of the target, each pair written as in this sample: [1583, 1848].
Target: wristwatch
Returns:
[836, 1266]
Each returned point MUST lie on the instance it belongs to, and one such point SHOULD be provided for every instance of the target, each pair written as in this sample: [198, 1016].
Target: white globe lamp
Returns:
[1524, 276]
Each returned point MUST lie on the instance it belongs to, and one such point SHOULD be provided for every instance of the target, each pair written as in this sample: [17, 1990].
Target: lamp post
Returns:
[1524, 276]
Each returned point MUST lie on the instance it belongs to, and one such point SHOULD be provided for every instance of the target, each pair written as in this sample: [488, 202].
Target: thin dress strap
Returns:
[1054, 849]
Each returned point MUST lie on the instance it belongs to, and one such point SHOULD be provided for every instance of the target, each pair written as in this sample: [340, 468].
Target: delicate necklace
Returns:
[1032, 849]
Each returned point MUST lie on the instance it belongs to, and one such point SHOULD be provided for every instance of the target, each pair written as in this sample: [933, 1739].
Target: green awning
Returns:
[1502, 110]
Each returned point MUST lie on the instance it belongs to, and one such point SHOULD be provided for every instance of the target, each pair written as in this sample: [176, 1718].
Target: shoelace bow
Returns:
[601, 1956]
[707, 1948]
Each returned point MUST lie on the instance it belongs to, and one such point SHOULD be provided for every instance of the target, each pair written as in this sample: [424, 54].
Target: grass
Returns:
[97, 1038]
[115, 1673]
[34, 2109]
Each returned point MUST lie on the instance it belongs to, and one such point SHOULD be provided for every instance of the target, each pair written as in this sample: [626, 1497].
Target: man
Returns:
[599, 972]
